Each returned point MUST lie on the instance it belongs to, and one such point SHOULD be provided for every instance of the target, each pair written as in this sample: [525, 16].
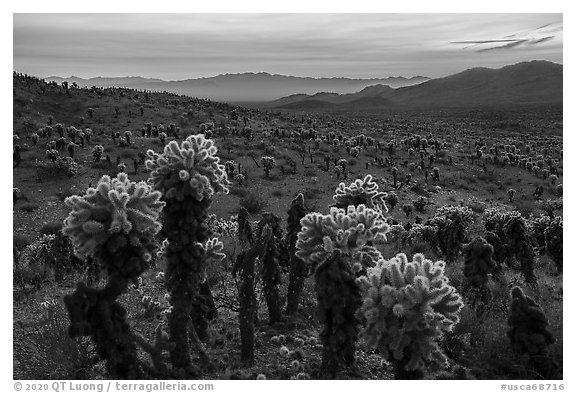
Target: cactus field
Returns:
[162, 236]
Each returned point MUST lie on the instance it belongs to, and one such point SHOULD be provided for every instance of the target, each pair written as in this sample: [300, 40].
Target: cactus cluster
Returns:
[452, 223]
[407, 307]
[335, 246]
[360, 192]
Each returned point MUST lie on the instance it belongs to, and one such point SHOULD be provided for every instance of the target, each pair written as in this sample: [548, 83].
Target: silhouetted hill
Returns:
[535, 82]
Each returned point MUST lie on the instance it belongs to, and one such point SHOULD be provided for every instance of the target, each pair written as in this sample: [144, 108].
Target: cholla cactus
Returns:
[391, 199]
[115, 223]
[420, 204]
[298, 269]
[240, 179]
[338, 299]
[335, 245]
[353, 231]
[452, 223]
[537, 226]
[116, 206]
[97, 152]
[53, 154]
[245, 233]
[495, 220]
[436, 173]
[478, 263]
[340, 171]
[188, 175]
[407, 306]
[230, 168]
[268, 163]
[271, 259]
[121, 167]
[15, 194]
[192, 169]
[529, 333]
[355, 152]
[559, 189]
[553, 236]
[519, 245]
[423, 233]
[550, 205]
[162, 136]
[360, 192]
[245, 264]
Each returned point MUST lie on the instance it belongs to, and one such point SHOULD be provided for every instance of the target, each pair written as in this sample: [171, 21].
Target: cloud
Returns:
[180, 46]
[529, 37]
[507, 46]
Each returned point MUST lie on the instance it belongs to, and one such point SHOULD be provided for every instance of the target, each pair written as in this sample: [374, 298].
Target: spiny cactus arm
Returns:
[407, 306]
[190, 169]
[114, 206]
[361, 192]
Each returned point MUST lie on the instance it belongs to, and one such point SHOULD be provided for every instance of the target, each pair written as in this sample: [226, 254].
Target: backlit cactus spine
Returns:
[407, 307]
[188, 175]
[334, 246]
[114, 223]
[360, 192]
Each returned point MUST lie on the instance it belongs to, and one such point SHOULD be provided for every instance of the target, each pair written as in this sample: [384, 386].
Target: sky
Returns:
[181, 46]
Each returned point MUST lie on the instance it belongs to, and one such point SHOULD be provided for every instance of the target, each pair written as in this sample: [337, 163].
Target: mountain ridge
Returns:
[535, 82]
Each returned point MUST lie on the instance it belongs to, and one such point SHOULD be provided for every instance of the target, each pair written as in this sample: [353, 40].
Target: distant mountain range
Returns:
[534, 82]
[246, 87]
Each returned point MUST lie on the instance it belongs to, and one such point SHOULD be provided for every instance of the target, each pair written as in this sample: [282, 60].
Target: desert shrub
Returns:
[49, 352]
[28, 207]
[253, 202]
[51, 228]
[420, 204]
